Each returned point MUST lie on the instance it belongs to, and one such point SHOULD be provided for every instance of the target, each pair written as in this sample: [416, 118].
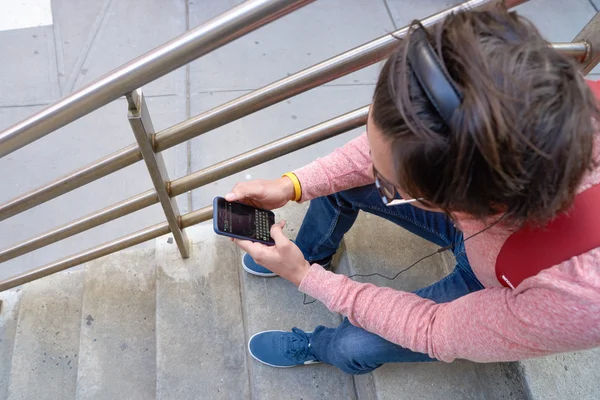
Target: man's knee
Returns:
[352, 354]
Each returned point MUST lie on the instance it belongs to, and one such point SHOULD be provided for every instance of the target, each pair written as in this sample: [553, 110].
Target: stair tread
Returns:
[117, 357]
[201, 350]
[273, 303]
[45, 357]
[9, 312]
[574, 375]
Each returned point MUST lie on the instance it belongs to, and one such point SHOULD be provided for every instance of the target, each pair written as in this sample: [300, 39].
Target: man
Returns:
[477, 128]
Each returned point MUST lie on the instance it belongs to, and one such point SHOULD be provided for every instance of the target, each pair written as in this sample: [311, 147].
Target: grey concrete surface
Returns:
[458, 380]
[201, 351]
[126, 29]
[564, 376]
[369, 249]
[376, 245]
[558, 21]
[311, 34]
[86, 40]
[45, 357]
[404, 11]
[502, 381]
[427, 381]
[273, 303]
[9, 312]
[76, 24]
[32, 58]
[117, 350]
[365, 387]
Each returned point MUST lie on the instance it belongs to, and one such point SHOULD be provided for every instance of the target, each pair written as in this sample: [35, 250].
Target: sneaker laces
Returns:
[298, 347]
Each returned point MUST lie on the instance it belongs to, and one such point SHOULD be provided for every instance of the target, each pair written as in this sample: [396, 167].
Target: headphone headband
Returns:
[438, 86]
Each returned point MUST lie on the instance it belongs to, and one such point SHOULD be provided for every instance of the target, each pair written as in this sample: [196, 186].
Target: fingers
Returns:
[278, 235]
[247, 246]
[258, 251]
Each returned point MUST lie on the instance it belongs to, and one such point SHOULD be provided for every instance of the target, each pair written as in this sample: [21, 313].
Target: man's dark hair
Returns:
[521, 140]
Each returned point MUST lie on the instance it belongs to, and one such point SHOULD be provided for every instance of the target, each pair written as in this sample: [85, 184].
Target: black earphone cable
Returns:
[440, 250]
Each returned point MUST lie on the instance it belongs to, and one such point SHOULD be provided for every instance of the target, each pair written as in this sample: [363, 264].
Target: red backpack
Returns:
[531, 250]
[576, 231]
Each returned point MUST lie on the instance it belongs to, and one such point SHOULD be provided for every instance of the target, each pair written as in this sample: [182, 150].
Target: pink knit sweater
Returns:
[557, 310]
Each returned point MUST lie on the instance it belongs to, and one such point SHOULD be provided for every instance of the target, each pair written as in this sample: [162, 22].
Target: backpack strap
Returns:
[532, 249]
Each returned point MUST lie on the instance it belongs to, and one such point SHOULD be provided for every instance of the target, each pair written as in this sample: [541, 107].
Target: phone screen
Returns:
[246, 221]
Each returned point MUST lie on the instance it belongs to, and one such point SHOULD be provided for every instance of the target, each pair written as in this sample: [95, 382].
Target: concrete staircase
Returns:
[144, 324]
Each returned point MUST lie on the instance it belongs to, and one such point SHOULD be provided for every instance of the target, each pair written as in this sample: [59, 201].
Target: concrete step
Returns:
[564, 376]
[201, 347]
[46, 347]
[376, 245]
[9, 312]
[117, 356]
[273, 303]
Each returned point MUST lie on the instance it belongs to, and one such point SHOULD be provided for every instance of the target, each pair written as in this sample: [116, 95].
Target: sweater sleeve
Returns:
[555, 311]
[347, 167]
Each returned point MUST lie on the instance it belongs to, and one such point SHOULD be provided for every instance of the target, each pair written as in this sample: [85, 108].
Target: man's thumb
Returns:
[230, 196]
[240, 192]
[277, 232]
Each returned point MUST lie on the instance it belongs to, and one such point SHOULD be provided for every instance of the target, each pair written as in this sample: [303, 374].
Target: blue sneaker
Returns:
[251, 267]
[282, 349]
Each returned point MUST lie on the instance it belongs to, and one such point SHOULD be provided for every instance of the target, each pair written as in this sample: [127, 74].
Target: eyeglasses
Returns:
[388, 192]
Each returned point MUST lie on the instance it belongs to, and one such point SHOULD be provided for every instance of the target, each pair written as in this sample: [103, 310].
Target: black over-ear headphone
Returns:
[432, 77]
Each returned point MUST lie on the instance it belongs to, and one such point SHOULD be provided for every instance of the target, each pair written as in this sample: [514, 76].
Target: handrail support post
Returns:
[590, 35]
[141, 124]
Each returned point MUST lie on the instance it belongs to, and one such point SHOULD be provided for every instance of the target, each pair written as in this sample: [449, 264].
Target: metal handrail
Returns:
[296, 141]
[47, 121]
[259, 155]
[578, 50]
[330, 69]
[211, 174]
[304, 80]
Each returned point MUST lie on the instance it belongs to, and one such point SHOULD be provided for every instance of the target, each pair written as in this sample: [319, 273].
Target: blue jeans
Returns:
[352, 349]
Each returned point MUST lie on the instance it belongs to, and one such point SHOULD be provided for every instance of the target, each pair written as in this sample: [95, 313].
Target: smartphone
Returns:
[242, 221]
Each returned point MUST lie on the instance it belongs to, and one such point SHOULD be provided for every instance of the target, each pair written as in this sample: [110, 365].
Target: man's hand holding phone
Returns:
[285, 258]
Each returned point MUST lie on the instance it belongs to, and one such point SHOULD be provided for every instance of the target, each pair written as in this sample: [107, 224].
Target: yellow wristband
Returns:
[296, 183]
